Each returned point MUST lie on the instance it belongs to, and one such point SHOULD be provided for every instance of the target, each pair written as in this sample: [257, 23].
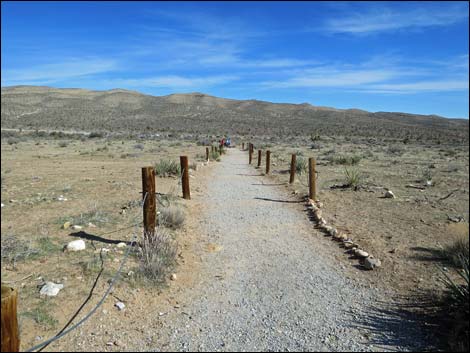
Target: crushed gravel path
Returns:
[269, 284]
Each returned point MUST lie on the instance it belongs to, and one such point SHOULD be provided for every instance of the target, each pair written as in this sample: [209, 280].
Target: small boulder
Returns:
[76, 245]
[370, 263]
[173, 277]
[120, 305]
[389, 195]
[51, 289]
[66, 225]
[361, 253]
[76, 227]
[121, 245]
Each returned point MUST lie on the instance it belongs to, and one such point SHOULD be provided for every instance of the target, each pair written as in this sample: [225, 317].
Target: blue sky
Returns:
[378, 56]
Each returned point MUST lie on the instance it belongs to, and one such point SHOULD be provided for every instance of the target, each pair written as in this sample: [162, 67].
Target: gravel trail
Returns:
[268, 282]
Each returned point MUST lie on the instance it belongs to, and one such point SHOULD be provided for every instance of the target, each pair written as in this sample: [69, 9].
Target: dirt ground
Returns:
[407, 232]
[99, 178]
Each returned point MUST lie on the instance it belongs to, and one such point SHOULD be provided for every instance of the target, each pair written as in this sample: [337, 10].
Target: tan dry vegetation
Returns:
[98, 183]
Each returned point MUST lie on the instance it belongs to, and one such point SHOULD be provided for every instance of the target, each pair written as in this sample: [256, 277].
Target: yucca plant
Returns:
[353, 178]
[455, 305]
[166, 167]
[301, 165]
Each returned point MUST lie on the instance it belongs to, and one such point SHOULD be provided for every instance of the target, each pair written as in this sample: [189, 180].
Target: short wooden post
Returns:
[10, 334]
[268, 161]
[292, 168]
[259, 158]
[150, 204]
[312, 187]
[243, 146]
[185, 177]
[207, 154]
[212, 148]
[250, 153]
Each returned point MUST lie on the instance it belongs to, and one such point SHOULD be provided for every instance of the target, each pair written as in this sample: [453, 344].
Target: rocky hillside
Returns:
[123, 110]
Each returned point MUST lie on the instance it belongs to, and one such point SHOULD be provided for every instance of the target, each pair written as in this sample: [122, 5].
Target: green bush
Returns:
[166, 167]
[345, 159]
[301, 165]
[353, 178]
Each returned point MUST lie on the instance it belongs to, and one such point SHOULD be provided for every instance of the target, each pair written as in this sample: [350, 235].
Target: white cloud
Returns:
[386, 19]
[54, 72]
[422, 86]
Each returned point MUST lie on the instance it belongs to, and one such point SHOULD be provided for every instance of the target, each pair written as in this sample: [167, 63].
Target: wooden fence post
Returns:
[185, 177]
[150, 204]
[312, 187]
[292, 168]
[268, 161]
[250, 153]
[243, 146]
[259, 158]
[207, 154]
[10, 334]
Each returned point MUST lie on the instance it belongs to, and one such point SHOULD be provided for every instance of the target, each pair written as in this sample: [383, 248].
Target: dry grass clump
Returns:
[157, 255]
[171, 217]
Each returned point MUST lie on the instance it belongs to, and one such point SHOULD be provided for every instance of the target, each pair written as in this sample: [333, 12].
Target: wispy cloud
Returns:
[384, 19]
[55, 72]
[375, 76]
[172, 81]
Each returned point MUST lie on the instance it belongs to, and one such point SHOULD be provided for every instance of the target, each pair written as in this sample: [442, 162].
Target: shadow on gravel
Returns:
[428, 254]
[272, 200]
[409, 326]
[261, 184]
[251, 174]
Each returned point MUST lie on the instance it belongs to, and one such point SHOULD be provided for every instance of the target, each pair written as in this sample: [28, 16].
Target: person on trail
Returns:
[222, 142]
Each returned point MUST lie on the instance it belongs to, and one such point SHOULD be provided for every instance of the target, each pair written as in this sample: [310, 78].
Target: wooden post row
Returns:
[150, 204]
[259, 158]
[185, 177]
[292, 168]
[268, 161]
[10, 333]
[312, 190]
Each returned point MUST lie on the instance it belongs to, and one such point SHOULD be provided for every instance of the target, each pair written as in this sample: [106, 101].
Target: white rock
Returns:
[389, 195]
[51, 289]
[3, 205]
[61, 198]
[370, 263]
[76, 227]
[91, 225]
[121, 245]
[321, 221]
[76, 245]
[120, 305]
[361, 253]
[173, 277]
[333, 232]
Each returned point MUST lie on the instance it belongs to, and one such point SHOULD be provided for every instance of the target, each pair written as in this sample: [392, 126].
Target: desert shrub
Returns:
[455, 308]
[139, 146]
[166, 167]
[396, 150]
[171, 217]
[301, 165]
[13, 140]
[15, 249]
[214, 155]
[95, 134]
[455, 251]
[102, 149]
[352, 177]
[157, 255]
[63, 144]
[345, 159]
